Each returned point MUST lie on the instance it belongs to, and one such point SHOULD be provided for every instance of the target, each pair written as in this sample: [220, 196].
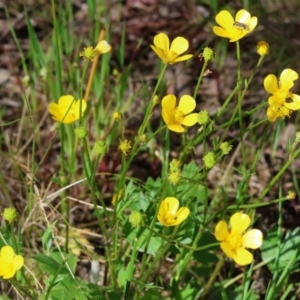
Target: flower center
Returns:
[235, 241]
[170, 218]
[170, 55]
[178, 116]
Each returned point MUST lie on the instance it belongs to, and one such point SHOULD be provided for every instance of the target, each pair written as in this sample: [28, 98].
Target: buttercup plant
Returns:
[141, 179]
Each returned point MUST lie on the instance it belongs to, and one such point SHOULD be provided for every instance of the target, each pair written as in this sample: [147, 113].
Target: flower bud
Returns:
[117, 116]
[208, 54]
[209, 160]
[203, 117]
[80, 132]
[25, 81]
[262, 48]
[136, 218]
[100, 148]
[9, 214]
[88, 53]
[225, 147]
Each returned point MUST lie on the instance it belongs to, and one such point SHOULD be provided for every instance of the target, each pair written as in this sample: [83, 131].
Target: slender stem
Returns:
[93, 69]
[212, 278]
[277, 176]
[200, 78]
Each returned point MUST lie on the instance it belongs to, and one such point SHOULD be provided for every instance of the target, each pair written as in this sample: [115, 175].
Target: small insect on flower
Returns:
[241, 25]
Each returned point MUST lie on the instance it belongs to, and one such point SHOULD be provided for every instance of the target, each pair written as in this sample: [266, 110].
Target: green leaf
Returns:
[287, 249]
[47, 236]
[55, 263]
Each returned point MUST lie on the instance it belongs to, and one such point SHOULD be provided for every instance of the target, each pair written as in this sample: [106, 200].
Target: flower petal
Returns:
[227, 250]
[253, 239]
[158, 52]
[243, 16]
[179, 45]
[53, 109]
[287, 78]
[66, 101]
[18, 262]
[295, 97]
[79, 104]
[169, 102]
[252, 23]
[271, 84]
[239, 222]
[7, 253]
[183, 57]
[190, 120]
[225, 20]
[186, 104]
[176, 127]
[167, 116]
[221, 32]
[221, 231]
[292, 105]
[243, 257]
[171, 205]
[275, 101]
[9, 274]
[161, 41]
[181, 215]
[272, 114]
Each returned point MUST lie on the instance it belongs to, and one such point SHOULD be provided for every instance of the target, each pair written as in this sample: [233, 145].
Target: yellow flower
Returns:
[125, 147]
[234, 29]
[174, 116]
[234, 241]
[280, 91]
[9, 262]
[168, 213]
[102, 47]
[170, 55]
[67, 110]
[262, 48]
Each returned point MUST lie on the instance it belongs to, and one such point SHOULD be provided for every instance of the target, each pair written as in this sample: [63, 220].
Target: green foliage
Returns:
[279, 254]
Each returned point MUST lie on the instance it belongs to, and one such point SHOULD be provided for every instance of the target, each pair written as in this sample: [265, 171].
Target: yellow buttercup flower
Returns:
[102, 47]
[168, 213]
[9, 262]
[174, 116]
[67, 110]
[280, 91]
[234, 29]
[262, 48]
[234, 240]
[170, 55]
[90, 52]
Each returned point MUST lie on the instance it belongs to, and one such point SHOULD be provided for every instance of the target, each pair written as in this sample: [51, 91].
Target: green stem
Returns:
[212, 278]
[199, 79]
[277, 176]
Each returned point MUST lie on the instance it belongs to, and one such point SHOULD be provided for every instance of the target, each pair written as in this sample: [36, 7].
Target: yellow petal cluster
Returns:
[280, 90]
[234, 241]
[9, 262]
[176, 116]
[168, 213]
[67, 110]
[170, 54]
[102, 47]
[234, 29]
[262, 48]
